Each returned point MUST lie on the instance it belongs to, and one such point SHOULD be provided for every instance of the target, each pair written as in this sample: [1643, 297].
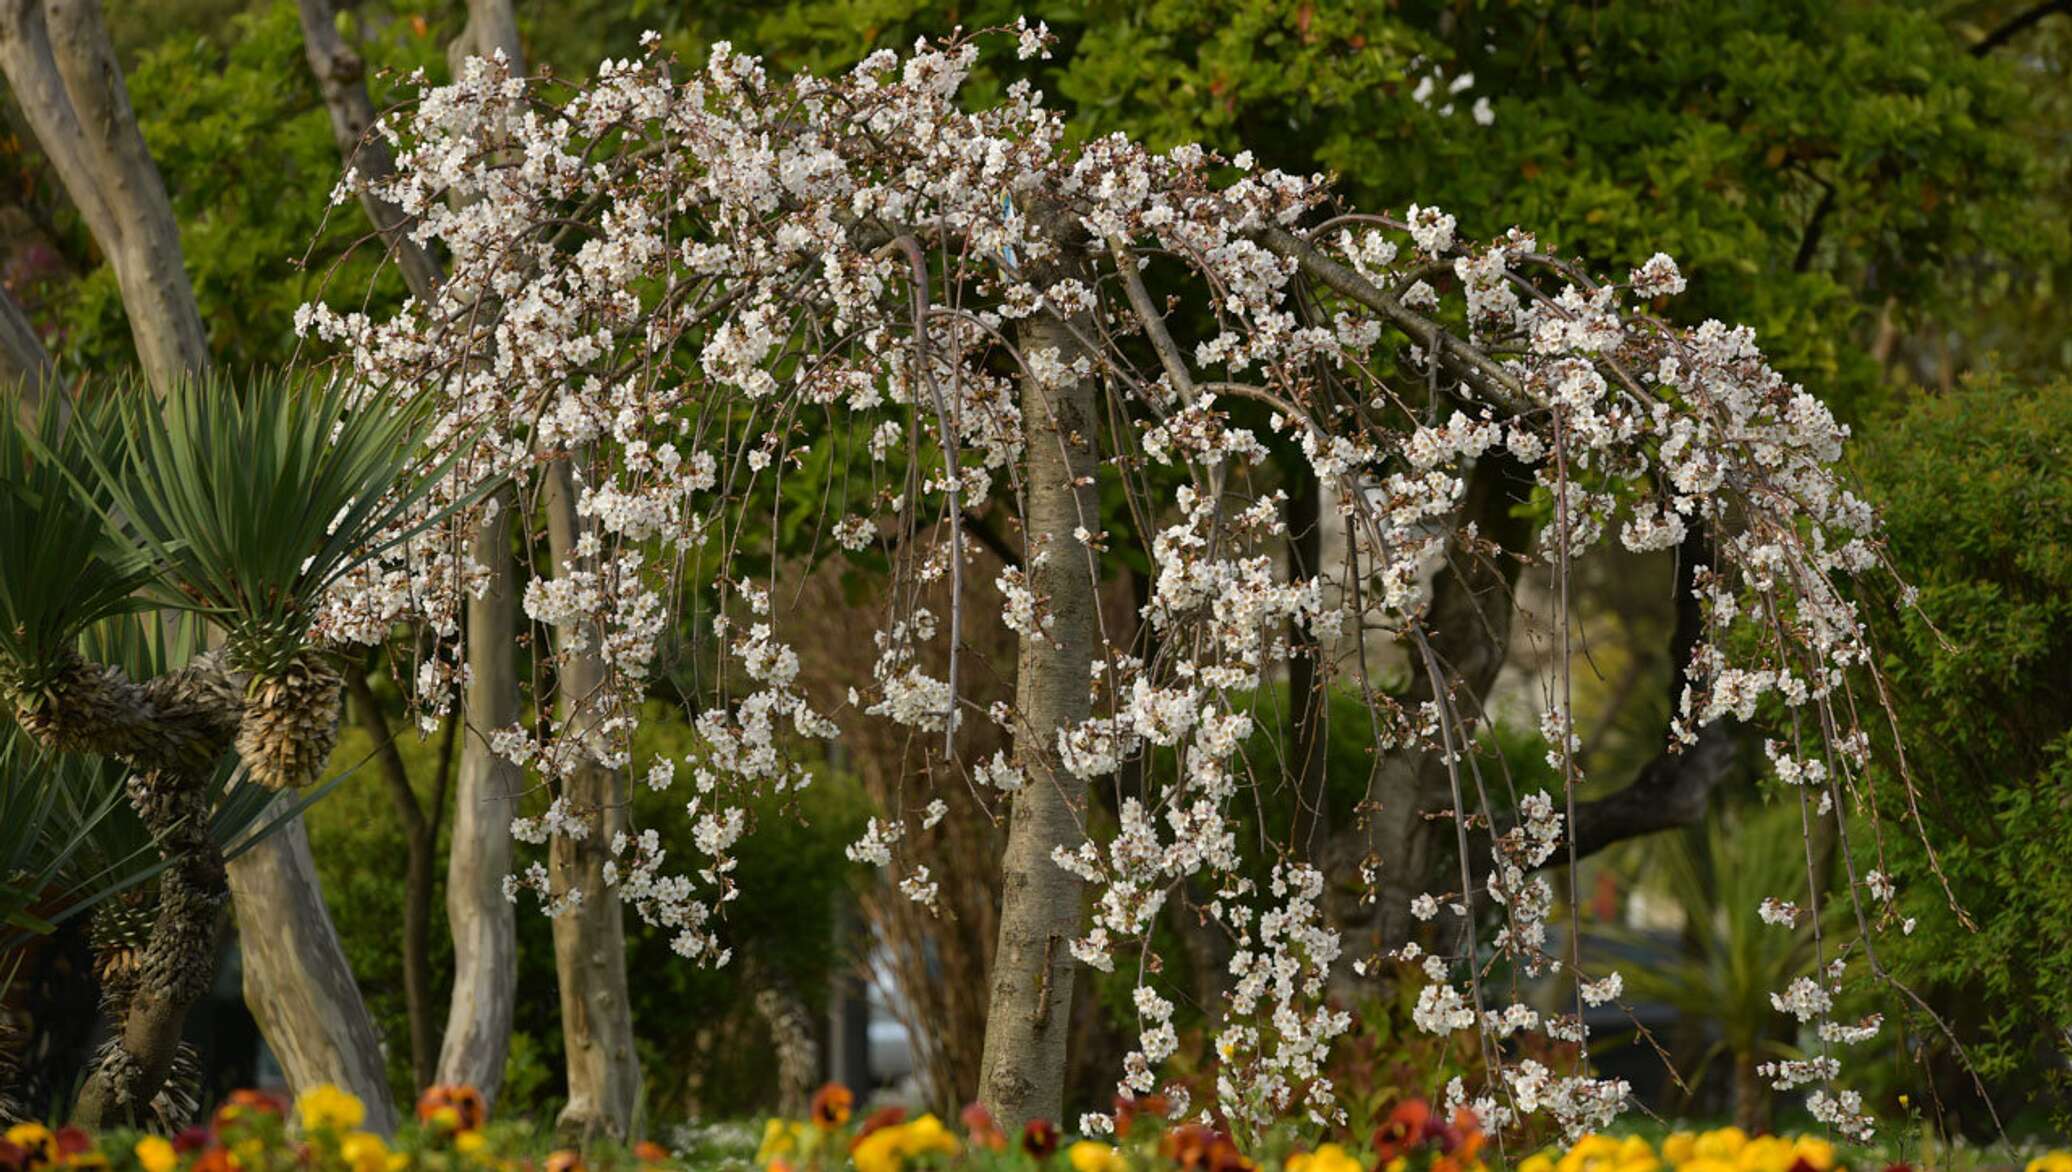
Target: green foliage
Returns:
[254, 495]
[1978, 507]
[63, 570]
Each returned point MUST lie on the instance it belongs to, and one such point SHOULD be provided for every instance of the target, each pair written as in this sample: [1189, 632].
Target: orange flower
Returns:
[565, 1160]
[1405, 1128]
[1040, 1138]
[246, 1105]
[831, 1106]
[647, 1151]
[215, 1160]
[981, 1130]
[1202, 1149]
[456, 1108]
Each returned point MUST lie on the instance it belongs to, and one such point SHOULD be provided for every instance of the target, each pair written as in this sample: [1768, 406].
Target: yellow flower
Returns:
[154, 1154]
[1327, 1158]
[1677, 1147]
[470, 1143]
[779, 1139]
[1538, 1162]
[1765, 1153]
[1397, 1165]
[2051, 1162]
[36, 1140]
[327, 1108]
[1091, 1156]
[888, 1148]
[1820, 1154]
[1722, 1144]
[363, 1151]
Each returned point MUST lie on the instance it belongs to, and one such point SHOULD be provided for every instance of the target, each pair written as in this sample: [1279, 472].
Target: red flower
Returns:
[469, 1109]
[1202, 1149]
[1406, 1127]
[73, 1140]
[13, 1157]
[982, 1130]
[1040, 1138]
[192, 1139]
[831, 1106]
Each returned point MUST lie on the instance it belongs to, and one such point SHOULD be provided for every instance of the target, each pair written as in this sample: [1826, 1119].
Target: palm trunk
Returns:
[590, 939]
[485, 929]
[1023, 1070]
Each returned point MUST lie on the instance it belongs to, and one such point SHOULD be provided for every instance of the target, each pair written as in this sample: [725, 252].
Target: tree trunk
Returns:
[1751, 1097]
[297, 982]
[64, 76]
[485, 928]
[589, 939]
[1023, 1069]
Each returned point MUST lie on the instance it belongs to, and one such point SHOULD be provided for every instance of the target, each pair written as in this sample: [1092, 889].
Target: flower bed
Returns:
[321, 1132]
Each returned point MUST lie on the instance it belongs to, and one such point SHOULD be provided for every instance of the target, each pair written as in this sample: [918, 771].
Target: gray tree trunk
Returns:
[297, 982]
[1023, 1070]
[485, 929]
[590, 940]
[65, 78]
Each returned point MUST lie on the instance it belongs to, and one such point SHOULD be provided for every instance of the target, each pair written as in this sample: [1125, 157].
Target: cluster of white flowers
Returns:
[681, 287]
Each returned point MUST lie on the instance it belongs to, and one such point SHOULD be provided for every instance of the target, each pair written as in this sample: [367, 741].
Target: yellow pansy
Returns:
[155, 1154]
[470, 1144]
[36, 1140]
[1328, 1158]
[2051, 1162]
[327, 1108]
[1721, 1144]
[1679, 1147]
[364, 1151]
[1707, 1164]
[1092, 1156]
[1591, 1153]
[878, 1151]
[779, 1139]
[888, 1148]
[1819, 1154]
[1765, 1153]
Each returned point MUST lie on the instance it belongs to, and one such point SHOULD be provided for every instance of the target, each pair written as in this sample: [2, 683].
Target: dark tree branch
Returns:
[2021, 23]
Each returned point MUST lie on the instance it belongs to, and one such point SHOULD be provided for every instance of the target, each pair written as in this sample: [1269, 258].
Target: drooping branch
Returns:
[1457, 358]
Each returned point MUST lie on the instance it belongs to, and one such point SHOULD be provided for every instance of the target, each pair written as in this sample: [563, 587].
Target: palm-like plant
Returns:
[239, 501]
[252, 498]
[1731, 961]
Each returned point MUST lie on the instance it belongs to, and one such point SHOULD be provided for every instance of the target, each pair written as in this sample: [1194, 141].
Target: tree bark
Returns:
[1023, 1069]
[297, 982]
[341, 77]
[64, 76]
[484, 925]
[24, 362]
[589, 939]
[1308, 703]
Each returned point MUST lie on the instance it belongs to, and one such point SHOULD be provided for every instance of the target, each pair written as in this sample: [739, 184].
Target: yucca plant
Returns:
[239, 501]
[252, 497]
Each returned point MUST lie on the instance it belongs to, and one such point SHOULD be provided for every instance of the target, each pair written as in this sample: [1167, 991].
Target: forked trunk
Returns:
[1023, 1070]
